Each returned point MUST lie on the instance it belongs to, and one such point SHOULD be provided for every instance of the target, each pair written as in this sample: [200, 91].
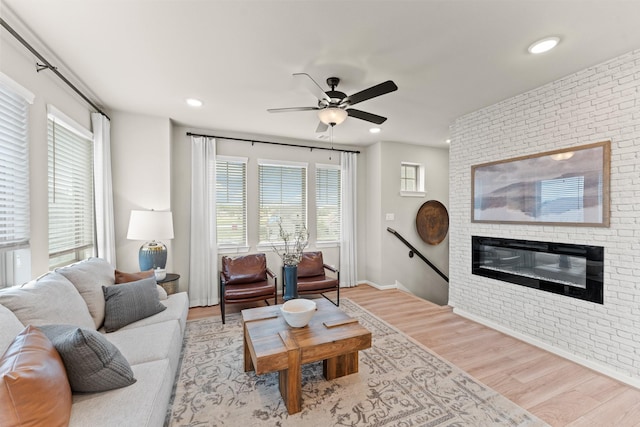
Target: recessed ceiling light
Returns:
[375, 130]
[448, 141]
[192, 102]
[544, 45]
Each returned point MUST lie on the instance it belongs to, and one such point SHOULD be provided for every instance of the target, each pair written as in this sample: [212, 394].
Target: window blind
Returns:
[14, 170]
[328, 212]
[283, 197]
[231, 202]
[71, 207]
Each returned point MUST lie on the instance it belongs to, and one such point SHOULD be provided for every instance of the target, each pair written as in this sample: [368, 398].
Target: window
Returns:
[15, 266]
[231, 201]
[328, 211]
[71, 208]
[283, 198]
[411, 179]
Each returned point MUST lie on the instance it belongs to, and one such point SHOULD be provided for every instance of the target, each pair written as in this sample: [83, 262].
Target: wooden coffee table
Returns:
[271, 345]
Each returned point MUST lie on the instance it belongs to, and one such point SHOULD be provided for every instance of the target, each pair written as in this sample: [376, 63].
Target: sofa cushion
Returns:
[122, 277]
[177, 309]
[143, 404]
[34, 390]
[92, 362]
[89, 277]
[153, 342]
[129, 302]
[244, 269]
[311, 265]
[10, 326]
[52, 299]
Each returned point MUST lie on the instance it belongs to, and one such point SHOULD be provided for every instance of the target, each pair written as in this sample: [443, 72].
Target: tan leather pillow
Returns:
[34, 390]
[122, 277]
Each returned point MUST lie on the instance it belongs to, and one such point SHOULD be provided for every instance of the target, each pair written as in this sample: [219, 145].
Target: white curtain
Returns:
[103, 188]
[203, 264]
[348, 266]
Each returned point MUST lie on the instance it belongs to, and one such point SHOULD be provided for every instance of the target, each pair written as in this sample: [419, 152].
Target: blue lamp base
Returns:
[152, 255]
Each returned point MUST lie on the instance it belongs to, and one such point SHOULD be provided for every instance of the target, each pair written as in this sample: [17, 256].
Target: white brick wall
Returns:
[596, 104]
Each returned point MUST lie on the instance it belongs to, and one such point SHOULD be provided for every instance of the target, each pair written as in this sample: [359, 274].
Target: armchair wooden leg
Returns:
[222, 308]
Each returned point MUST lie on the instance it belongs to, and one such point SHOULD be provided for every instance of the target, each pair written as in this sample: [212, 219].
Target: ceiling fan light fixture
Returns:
[332, 116]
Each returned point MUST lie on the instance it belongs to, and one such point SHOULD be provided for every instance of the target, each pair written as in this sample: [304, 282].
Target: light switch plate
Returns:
[390, 217]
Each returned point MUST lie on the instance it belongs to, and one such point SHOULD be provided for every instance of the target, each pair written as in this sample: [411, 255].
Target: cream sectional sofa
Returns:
[73, 295]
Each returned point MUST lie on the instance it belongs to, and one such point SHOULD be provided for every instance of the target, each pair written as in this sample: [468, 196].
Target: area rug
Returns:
[399, 383]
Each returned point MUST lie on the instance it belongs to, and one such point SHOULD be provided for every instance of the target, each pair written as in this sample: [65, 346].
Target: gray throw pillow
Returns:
[129, 302]
[92, 363]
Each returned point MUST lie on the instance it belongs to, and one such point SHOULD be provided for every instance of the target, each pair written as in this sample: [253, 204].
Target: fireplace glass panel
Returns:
[562, 268]
[565, 269]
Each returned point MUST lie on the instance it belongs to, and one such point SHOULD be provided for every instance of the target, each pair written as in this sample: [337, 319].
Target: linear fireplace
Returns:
[561, 268]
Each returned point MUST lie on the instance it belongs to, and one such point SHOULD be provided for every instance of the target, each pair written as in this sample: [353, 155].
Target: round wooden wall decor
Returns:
[432, 222]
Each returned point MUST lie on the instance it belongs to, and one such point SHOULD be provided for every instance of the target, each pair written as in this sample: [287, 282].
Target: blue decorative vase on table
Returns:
[290, 282]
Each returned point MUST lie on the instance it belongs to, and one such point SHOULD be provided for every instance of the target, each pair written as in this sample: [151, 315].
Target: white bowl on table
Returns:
[298, 312]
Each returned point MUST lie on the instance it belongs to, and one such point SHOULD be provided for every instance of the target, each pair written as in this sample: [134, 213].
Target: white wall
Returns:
[596, 104]
[373, 221]
[141, 168]
[389, 262]
[17, 63]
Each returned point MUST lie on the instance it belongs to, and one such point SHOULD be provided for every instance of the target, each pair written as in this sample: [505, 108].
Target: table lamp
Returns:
[151, 226]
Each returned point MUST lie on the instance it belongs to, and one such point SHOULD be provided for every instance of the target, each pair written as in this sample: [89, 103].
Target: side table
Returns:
[170, 283]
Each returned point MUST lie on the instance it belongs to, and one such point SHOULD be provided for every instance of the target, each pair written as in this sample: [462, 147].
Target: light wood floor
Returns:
[560, 392]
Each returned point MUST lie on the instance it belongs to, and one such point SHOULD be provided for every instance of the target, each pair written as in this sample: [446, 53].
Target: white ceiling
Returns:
[448, 57]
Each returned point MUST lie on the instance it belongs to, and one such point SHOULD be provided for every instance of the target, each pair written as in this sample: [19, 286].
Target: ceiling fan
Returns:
[334, 106]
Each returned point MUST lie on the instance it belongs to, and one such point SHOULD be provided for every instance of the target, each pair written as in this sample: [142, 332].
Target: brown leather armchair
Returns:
[246, 279]
[312, 278]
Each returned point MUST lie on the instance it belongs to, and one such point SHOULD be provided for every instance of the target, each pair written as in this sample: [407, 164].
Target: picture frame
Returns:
[568, 187]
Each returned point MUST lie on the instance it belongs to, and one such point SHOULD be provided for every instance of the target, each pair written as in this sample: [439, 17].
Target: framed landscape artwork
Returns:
[561, 187]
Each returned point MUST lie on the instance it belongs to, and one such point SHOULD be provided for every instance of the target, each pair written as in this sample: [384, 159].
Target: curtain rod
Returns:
[274, 143]
[47, 65]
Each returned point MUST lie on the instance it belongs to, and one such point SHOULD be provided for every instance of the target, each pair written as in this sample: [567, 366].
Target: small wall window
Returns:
[411, 179]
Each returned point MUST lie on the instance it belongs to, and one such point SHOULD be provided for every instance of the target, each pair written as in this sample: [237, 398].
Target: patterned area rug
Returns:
[399, 383]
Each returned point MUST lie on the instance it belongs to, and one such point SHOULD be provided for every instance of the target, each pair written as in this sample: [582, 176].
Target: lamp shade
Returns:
[332, 115]
[150, 225]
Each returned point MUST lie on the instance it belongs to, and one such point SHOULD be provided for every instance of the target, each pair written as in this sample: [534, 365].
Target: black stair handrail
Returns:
[417, 252]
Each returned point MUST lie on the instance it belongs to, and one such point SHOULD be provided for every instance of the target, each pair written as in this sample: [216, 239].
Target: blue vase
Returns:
[290, 282]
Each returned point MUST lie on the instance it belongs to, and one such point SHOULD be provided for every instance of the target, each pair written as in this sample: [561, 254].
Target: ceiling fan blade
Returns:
[322, 127]
[312, 85]
[290, 109]
[363, 115]
[372, 92]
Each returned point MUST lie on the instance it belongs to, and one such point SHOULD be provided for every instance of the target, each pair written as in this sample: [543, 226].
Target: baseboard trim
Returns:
[598, 367]
[375, 285]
